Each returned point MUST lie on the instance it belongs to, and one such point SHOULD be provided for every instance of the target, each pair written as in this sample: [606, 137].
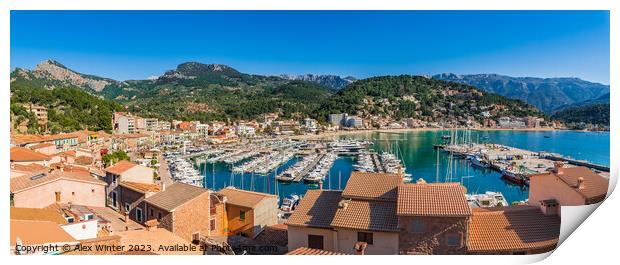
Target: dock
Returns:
[577, 162]
[511, 161]
[307, 170]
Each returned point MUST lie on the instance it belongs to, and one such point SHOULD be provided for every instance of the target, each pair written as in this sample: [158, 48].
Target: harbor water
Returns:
[416, 150]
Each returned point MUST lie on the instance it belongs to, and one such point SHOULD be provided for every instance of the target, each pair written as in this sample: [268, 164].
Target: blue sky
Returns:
[138, 44]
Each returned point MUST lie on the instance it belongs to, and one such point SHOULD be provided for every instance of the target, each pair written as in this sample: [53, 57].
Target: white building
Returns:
[203, 130]
[310, 124]
[164, 125]
[125, 124]
[245, 130]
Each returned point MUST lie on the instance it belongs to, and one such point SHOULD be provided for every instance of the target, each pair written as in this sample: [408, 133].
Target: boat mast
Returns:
[437, 165]
[213, 175]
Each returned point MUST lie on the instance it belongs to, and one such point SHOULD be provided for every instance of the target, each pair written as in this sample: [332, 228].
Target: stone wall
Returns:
[433, 239]
[192, 217]
[135, 200]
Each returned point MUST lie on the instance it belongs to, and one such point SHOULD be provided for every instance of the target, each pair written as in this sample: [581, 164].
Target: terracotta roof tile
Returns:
[35, 214]
[38, 232]
[244, 198]
[35, 179]
[375, 186]
[316, 209]
[514, 228]
[367, 215]
[42, 145]
[175, 195]
[436, 199]
[594, 185]
[21, 154]
[312, 251]
[36, 138]
[274, 234]
[34, 167]
[120, 167]
[141, 187]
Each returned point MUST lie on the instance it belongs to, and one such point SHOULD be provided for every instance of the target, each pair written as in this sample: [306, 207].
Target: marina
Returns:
[418, 158]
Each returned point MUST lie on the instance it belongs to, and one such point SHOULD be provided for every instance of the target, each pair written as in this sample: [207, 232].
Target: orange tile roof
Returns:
[434, 199]
[513, 228]
[367, 215]
[35, 214]
[29, 168]
[120, 167]
[316, 209]
[141, 187]
[175, 195]
[42, 145]
[312, 251]
[36, 138]
[375, 186]
[274, 234]
[21, 154]
[594, 185]
[36, 179]
[38, 232]
[244, 198]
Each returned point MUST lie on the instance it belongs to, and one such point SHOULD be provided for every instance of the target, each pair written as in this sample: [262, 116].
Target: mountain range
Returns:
[548, 94]
[197, 91]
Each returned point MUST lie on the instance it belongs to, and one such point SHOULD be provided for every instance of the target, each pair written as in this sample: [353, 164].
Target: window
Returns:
[114, 179]
[364, 237]
[315, 241]
[417, 226]
[114, 200]
[73, 193]
[212, 224]
[139, 215]
[242, 215]
[127, 207]
[453, 240]
[151, 212]
[158, 216]
[92, 190]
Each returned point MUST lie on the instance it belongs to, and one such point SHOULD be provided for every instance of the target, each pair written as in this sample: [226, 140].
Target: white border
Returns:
[595, 241]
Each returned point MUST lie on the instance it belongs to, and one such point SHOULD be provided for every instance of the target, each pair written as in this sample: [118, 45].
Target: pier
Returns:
[577, 162]
[514, 164]
[307, 170]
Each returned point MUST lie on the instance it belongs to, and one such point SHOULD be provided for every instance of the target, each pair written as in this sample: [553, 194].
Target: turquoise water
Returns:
[422, 161]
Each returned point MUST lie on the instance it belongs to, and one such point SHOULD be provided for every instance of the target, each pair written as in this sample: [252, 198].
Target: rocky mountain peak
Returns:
[51, 69]
[331, 81]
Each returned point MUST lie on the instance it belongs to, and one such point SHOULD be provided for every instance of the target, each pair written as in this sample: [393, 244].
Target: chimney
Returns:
[360, 248]
[580, 183]
[343, 204]
[151, 225]
[163, 186]
[126, 218]
[558, 167]
[549, 207]
[320, 185]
